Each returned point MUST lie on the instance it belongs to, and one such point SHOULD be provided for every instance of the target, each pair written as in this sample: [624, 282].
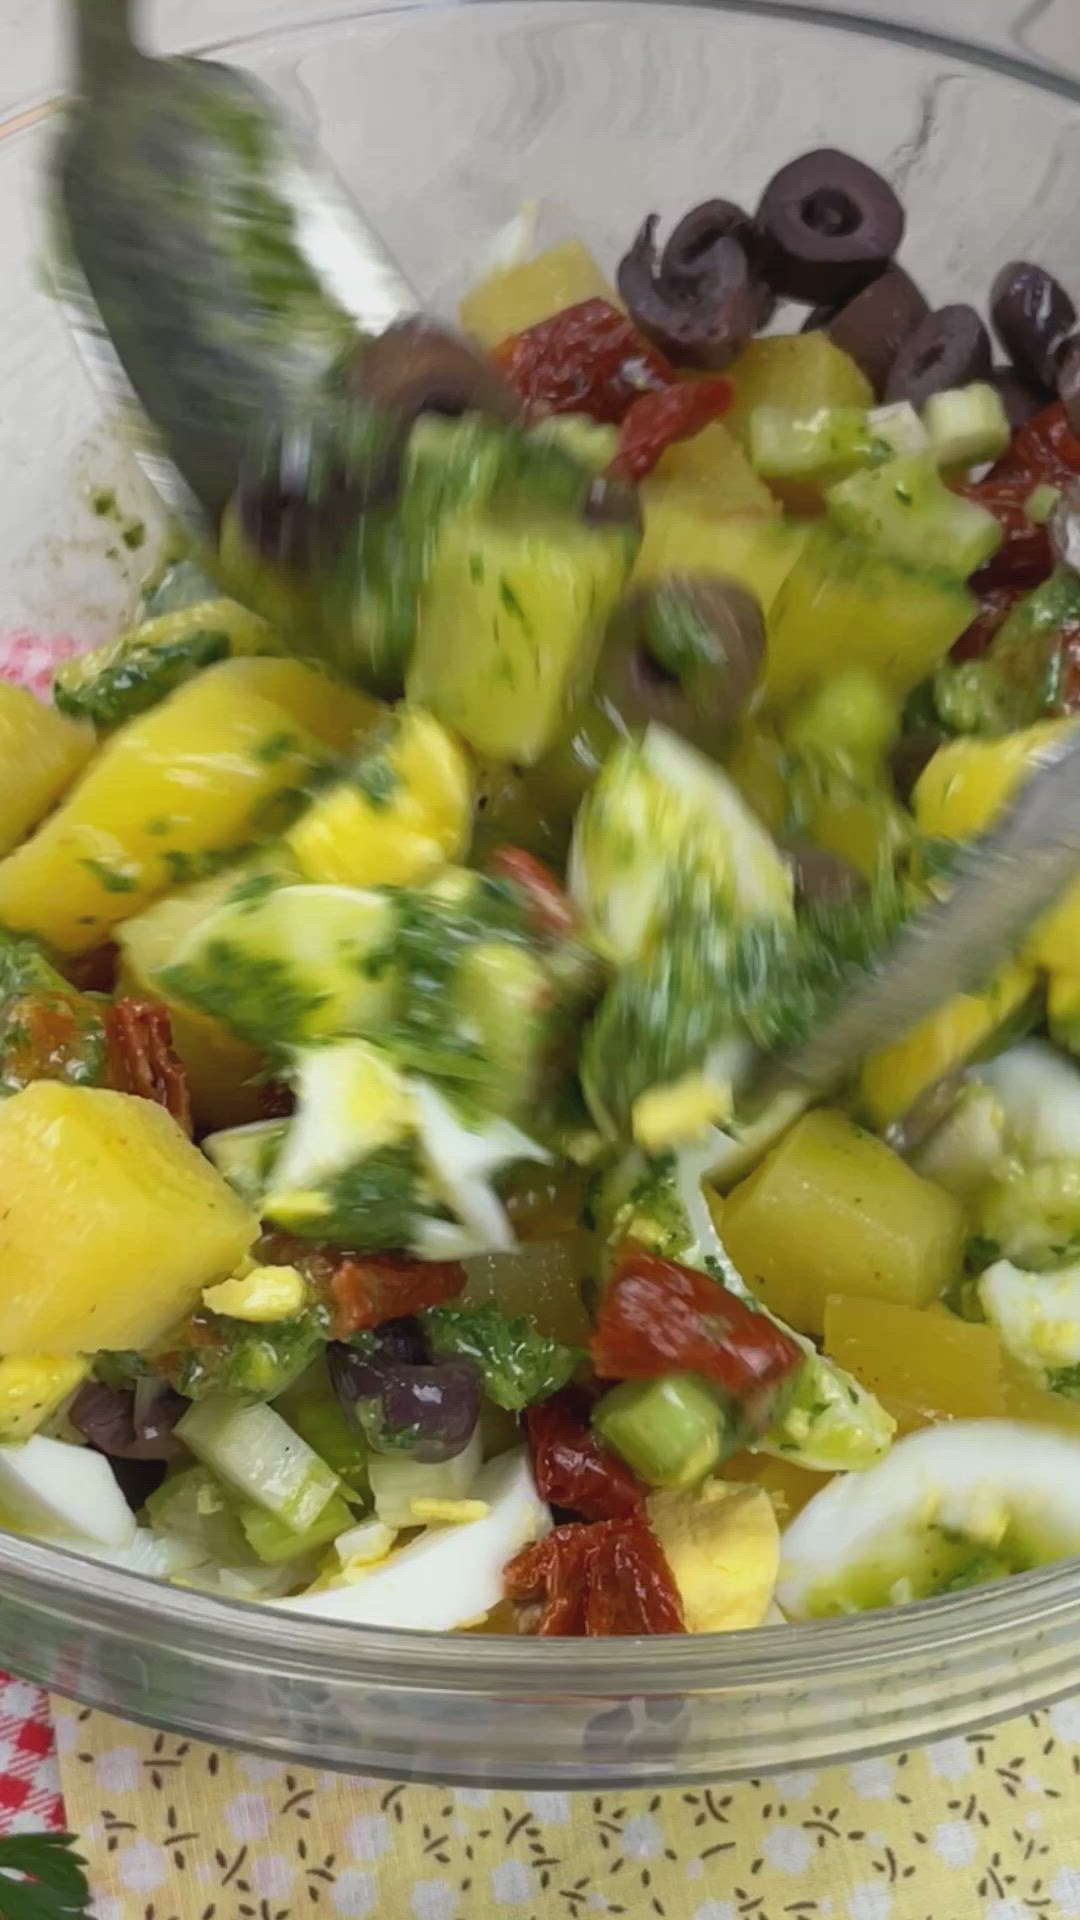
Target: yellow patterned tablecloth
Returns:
[981, 1828]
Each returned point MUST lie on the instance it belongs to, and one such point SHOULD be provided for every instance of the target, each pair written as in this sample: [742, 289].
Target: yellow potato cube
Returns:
[834, 1210]
[800, 372]
[922, 1367]
[32, 1388]
[711, 469]
[182, 784]
[111, 1222]
[223, 1072]
[896, 1076]
[683, 537]
[40, 755]
[405, 810]
[262, 1296]
[513, 298]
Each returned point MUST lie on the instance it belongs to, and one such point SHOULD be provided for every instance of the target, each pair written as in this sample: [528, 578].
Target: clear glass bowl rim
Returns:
[983, 1625]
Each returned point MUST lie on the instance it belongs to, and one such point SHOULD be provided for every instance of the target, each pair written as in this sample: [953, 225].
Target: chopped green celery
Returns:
[967, 425]
[275, 1543]
[584, 439]
[397, 1479]
[897, 429]
[672, 1432]
[244, 1156]
[256, 1453]
[511, 622]
[282, 966]
[817, 447]
[194, 1506]
[1017, 680]
[519, 1364]
[905, 509]
[318, 1417]
[1040, 504]
[115, 682]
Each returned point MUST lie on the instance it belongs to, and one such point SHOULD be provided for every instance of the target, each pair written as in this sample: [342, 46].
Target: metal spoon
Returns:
[212, 268]
[1002, 883]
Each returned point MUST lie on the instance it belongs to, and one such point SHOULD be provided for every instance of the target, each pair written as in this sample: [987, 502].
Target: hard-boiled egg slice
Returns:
[950, 1506]
[722, 1544]
[1036, 1314]
[56, 1491]
[451, 1575]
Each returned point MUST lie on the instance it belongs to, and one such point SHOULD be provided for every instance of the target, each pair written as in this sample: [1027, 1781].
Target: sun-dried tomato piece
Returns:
[588, 359]
[47, 1035]
[571, 1465]
[93, 972]
[995, 607]
[366, 1289]
[141, 1059]
[610, 1578]
[657, 420]
[1045, 452]
[549, 906]
[657, 1317]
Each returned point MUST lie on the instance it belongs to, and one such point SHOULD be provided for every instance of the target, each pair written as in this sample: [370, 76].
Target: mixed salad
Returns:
[396, 917]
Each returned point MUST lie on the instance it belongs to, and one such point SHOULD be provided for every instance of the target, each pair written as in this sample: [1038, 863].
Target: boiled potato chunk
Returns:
[800, 372]
[924, 1367]
[32, 1387]
[111, 1222]
[513, 298]
[222, 1071]
[683, 536]
[842, 606]
[402, 811]
[833, 1210]
[40, 755]
[511, 621]
[713, 472]
[896, 1076]
[958, 795]
[172, 790]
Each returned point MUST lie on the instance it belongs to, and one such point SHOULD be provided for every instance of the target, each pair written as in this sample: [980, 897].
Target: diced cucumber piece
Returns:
[256, 1453]
[905, 509]
[275, 1543]
[397, 1479]
[670, 1431]
[817, 446]
[967, 425]
[193, 1506]
[898, 428]
[244, 1156]
[319, 1419]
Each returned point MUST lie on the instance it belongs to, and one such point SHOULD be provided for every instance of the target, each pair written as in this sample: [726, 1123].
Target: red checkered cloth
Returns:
[30, 1798]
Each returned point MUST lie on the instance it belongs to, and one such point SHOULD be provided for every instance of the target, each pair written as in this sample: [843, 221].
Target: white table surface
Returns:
[32, 55]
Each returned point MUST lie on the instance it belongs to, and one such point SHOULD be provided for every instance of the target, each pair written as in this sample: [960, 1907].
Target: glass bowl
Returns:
[445, 121]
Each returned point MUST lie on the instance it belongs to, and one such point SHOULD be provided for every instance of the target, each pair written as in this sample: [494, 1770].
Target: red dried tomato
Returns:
[994, 609]
[1046, 451]
[657, 420]
[141, 1059]
[550, 910]
[611, 1578]
[366, 1289]
[93, 972]
[572, 1467]
[656, 1317]
[1024, 559]
[50, 1036]
[588, 359]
